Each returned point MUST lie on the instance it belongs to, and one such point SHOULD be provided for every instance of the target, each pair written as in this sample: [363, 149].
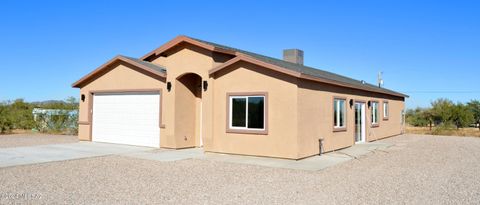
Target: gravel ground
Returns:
[29, 139]
[417, 170]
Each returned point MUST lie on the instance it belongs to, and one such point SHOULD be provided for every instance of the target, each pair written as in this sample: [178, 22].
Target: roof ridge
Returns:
[272, 58]
[306, 70]
[302, 69]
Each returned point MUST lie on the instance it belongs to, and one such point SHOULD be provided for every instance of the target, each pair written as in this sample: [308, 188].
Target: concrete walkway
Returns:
[312, 163]
[168, 155]
[58, 152]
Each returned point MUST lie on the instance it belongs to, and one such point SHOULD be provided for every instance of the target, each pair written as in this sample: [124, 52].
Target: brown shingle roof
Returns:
[308, 70]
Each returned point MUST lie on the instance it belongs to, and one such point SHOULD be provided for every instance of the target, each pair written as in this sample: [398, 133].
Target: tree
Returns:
[416, 117]
[461, 115]
[21, 114]
[442, 110]
[5, 118]
[474, 106]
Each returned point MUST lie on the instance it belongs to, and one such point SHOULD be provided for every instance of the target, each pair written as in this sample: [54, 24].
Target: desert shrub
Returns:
[417, 117]
[443, 129]
[6, 124]
[474, 107]
[461, 116]
[445, 115]
[21, 114]
[58, 117]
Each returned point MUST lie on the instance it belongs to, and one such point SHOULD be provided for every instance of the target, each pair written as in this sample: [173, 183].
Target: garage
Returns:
[130, 118]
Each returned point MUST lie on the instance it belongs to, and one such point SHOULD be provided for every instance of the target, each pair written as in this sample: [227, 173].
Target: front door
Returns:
[359, 122]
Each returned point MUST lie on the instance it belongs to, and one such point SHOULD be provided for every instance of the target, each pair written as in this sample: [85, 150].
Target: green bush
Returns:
[474, 107]
[444, 114]
[18, 115]
[6, 124]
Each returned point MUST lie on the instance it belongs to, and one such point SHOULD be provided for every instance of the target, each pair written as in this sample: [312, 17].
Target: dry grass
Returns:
[471, 132]
[22, 131]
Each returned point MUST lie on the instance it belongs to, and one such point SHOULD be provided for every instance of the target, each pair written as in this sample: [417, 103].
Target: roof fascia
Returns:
[245, 58]
[184, 39]
[78, 83]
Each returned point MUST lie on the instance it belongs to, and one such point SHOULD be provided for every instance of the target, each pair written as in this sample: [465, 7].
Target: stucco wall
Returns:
[120, 77]
[181, 60]
[315, 114]
[281, 140]
[299, 111]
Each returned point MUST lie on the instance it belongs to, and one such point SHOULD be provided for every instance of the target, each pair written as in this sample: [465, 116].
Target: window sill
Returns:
[385, 118]
[339, 129]
[247, 131]
[83, 123]
[375, 125]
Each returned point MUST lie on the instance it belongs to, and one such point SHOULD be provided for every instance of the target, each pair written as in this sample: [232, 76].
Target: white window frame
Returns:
[336, 104]
[374, 113]
[386, 108]
[246, 114]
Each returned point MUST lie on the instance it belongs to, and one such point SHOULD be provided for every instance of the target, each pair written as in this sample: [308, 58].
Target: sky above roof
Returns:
[425, 49]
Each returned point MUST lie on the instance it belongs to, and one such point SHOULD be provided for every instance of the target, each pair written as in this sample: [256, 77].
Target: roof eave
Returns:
[333, 82]
[245, 58]
[182, 39]
[293, 73]
[80, 82]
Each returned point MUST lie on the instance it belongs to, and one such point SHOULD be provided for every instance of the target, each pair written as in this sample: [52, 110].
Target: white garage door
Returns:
[128, 118]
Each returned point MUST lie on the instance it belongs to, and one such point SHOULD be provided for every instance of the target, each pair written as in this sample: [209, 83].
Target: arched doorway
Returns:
[188, 110]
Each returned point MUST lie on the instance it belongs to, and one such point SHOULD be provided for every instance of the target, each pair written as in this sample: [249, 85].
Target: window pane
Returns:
[342, 113]
[335, 111]
[239, 107]
[256, 112]
[385, 109]
[374, 112]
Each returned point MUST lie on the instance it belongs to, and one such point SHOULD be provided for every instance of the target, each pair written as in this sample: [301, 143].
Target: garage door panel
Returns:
[131, 118]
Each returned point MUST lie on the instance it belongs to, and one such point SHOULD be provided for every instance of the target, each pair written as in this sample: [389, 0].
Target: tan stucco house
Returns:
[194, 93]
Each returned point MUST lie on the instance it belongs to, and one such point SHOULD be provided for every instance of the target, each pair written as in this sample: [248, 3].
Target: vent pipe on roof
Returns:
[380, 79]
[293, 56]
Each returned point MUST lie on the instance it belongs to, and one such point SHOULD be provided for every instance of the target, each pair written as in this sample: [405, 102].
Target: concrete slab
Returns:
[166, 155]
[363, 148]
[59, 152]
[311, 164]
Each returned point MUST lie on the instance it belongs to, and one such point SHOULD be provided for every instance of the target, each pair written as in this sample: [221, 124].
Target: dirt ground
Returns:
[418, 169]
[469, 132]
[31, 139]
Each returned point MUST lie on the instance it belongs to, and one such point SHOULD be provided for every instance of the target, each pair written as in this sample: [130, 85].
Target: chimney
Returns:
[293, 56]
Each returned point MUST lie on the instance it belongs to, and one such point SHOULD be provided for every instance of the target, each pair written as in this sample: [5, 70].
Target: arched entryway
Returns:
[188, 110]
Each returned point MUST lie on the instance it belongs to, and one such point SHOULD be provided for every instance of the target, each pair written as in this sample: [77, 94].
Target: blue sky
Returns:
[426, 49]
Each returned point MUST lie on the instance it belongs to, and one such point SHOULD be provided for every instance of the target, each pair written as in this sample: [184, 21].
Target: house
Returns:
[194, 93]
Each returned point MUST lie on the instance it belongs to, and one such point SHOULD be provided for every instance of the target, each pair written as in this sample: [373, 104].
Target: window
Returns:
[374, 113]
[339, 112]
[247, 112]
[385, 110]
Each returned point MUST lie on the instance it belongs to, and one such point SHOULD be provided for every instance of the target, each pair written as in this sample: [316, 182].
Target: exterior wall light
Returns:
[205, 85]
[169, 86]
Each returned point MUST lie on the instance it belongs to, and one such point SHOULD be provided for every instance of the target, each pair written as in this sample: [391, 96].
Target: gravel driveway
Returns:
[417, 170]
[31, 139]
